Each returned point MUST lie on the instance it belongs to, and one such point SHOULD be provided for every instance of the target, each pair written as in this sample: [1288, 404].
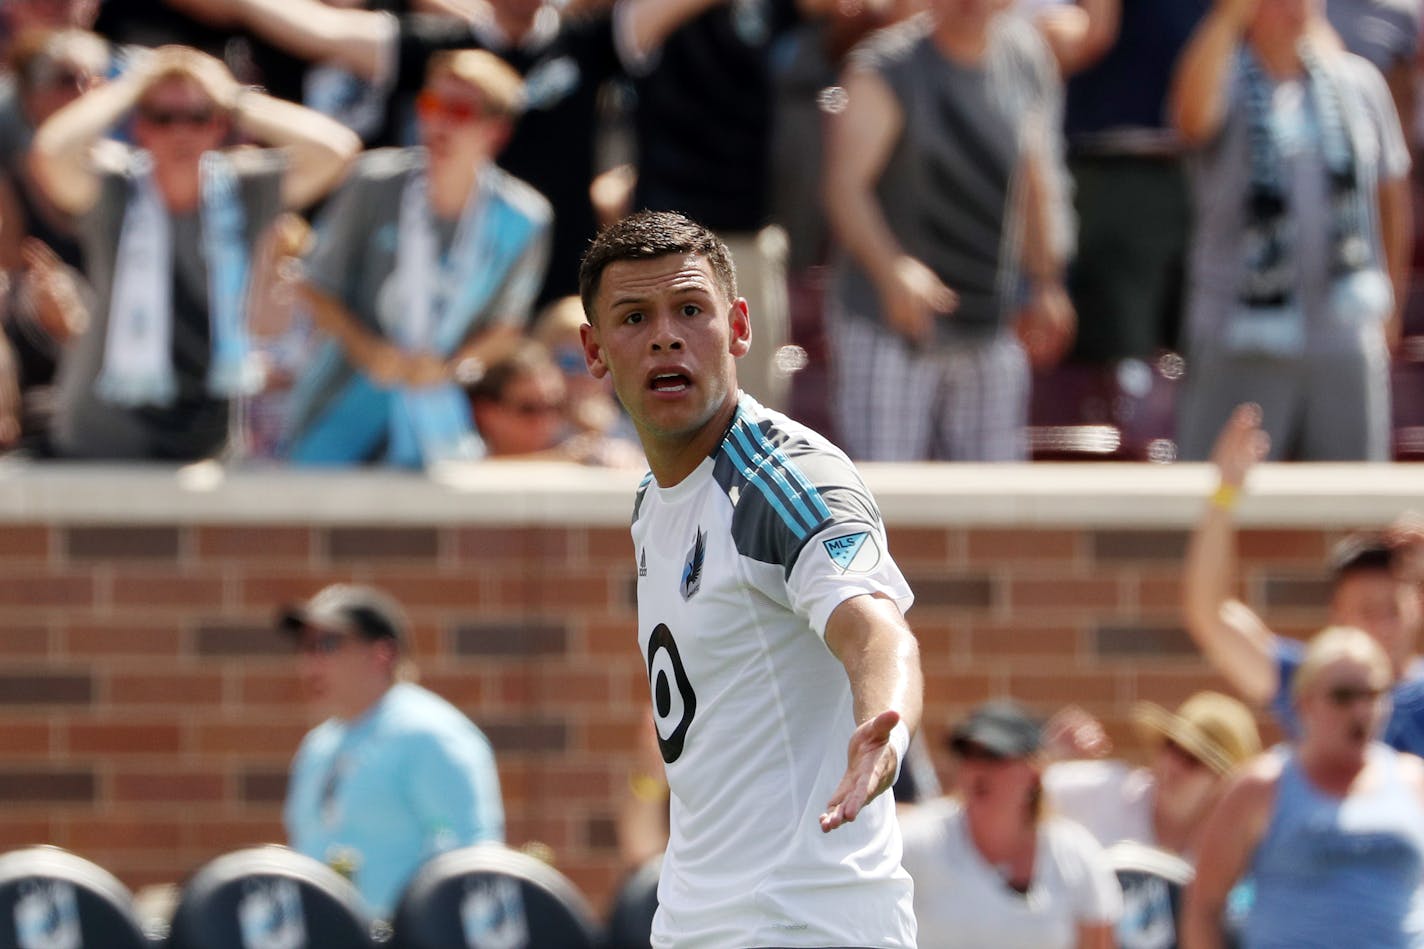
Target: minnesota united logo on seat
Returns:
[47, 916]
[692, 570]
[853, 553]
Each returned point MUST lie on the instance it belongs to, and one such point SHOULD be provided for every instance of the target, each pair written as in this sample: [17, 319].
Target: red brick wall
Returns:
[147, 713]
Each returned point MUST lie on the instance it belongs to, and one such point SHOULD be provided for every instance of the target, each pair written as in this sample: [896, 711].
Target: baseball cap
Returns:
[1362, 550]
[361, 610]
[1002, 727]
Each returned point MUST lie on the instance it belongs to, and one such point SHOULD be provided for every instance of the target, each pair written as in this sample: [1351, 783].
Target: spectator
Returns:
[1330, 829]
[43, 305]
[52, 69]
[425, 267]
[565, 59]
[990, 868]
[1162, 805]
[1300, 255]
[519, 404]
[1130, 189]
[168, 231]
[1375, 586]
[592, 411]
[944, 163]
[396, 774]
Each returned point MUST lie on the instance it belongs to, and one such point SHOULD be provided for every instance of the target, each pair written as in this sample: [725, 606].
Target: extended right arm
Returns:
[1231, 636]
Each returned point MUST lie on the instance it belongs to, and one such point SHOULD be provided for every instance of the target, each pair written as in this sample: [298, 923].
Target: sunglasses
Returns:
[432, 107]
[1344, 696]
[322, 644]
[534, 409]
[171, 118]
[969, 751]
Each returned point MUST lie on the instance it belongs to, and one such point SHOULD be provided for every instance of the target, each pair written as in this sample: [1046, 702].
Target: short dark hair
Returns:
[528, 358]
[1361, 552]
[646, 235]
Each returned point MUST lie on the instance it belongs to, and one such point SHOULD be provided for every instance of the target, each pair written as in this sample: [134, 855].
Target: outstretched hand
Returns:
[870, 769]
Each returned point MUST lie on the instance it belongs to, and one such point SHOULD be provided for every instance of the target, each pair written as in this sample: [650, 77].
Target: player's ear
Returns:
[592, 351]
[741, 336]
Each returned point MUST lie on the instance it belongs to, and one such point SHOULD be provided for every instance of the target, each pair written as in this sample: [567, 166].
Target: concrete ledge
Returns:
[918, 495]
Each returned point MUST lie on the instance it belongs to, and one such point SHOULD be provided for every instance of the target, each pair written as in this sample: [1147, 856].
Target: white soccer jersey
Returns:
[739, 567]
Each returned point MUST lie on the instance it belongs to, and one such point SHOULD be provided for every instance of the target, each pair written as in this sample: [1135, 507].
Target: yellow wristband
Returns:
[647, 788]
[1225, 496]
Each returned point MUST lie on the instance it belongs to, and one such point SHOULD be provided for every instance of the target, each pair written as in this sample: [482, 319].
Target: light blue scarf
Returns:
[138, 359]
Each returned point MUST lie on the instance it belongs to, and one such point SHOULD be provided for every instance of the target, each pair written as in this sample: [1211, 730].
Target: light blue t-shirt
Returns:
[411, 778]
[1334, 872]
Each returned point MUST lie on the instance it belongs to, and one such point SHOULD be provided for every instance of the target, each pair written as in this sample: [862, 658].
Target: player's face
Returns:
[668, 336]
[1388, 608]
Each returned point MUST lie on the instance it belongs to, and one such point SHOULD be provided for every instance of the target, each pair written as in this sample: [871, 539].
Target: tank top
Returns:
[1334, 872]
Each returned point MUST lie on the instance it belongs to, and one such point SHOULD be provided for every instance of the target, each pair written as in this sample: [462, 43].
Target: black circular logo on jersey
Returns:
[674, 702]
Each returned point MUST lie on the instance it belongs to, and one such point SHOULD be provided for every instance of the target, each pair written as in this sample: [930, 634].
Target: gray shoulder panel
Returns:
[786, 484]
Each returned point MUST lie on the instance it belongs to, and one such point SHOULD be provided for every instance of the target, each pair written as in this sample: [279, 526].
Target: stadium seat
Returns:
[52, 898]
[269, 898]
[491, 897]
[1105, 413]
[1407, 389]
[1152, 882]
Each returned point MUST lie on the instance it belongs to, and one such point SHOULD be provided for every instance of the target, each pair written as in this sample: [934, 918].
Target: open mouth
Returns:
[669, 382]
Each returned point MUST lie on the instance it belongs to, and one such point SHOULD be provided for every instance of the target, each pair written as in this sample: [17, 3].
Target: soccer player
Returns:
[769, 613]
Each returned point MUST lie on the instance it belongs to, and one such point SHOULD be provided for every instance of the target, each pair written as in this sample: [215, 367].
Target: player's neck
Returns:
[672, 459]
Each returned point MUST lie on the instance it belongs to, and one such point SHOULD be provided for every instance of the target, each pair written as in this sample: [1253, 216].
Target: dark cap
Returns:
[1361, 551]
[360, 610]
[1001, 727]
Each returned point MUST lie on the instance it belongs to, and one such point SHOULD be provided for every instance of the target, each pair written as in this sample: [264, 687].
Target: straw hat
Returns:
[1215, 729]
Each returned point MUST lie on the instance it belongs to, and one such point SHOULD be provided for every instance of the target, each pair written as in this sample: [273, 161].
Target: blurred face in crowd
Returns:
[54, 83]
[1184, 785]
[667, 334]
[342, 672]
[177, 122]
[1345, 707]
[528, 416]
[988, 780]
[1388, 607]
[1281, 21]
[455, 126]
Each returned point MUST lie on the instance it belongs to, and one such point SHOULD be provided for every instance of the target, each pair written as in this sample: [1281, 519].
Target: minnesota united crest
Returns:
[692, 570]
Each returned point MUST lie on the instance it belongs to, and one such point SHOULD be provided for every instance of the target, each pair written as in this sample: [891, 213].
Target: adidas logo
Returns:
[643, 564]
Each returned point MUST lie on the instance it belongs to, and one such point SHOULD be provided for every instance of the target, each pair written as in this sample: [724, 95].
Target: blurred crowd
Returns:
[342, 232]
